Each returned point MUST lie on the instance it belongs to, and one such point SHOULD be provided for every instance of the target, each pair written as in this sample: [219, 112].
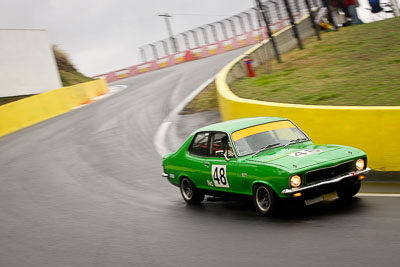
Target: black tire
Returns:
[190, 193]
[264, 199]
[348, 191]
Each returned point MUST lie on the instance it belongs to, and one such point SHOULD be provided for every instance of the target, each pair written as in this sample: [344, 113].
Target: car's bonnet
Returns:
[299, 156]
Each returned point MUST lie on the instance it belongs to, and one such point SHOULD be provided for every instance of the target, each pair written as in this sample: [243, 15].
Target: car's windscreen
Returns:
[268, 135]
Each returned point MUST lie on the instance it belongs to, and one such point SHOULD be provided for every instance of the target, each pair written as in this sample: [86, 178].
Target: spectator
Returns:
[351, 5]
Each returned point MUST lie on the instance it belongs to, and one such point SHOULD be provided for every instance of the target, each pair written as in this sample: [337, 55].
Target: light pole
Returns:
[169, 29]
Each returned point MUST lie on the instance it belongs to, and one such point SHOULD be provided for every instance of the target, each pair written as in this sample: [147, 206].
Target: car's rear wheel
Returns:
[264, 199]
[190, 193]
[348, 191]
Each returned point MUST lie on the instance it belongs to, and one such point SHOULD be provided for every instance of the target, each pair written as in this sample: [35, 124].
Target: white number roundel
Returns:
[219, 176]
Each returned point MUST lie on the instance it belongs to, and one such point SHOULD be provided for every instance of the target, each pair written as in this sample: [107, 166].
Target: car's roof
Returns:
[234, 125]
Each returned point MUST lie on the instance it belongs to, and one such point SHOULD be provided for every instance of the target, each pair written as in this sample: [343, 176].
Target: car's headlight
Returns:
[295, 181]
[360, 164]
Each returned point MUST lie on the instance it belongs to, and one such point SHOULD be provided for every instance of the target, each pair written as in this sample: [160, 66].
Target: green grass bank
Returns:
[358, 65]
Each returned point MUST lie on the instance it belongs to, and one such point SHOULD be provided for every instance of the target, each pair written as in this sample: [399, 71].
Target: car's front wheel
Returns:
[264, 199]
[349, 191]
[190, 193]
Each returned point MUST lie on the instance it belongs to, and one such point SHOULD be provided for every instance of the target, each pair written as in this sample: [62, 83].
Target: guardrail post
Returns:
[155, 54]
[186, 39]
[312, 17]
[223, 28]
[278, 10]
[196, 39]
[165, 45]
[143, 54]
[205, 37]
[214, 32]
[231, 22]
[241, 23]
[251, 25]
[294, 26]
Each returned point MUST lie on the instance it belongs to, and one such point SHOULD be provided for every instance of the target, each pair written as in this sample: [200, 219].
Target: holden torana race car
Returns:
[266, 158]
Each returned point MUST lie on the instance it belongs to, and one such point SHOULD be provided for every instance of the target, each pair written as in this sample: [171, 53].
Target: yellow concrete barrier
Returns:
[374, 129]
[28, 111]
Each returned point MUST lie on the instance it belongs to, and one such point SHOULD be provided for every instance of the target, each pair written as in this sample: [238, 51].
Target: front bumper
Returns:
[325, 182]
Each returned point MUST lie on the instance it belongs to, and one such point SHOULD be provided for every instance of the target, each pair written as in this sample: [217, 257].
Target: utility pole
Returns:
[169, 29]
[271, 37]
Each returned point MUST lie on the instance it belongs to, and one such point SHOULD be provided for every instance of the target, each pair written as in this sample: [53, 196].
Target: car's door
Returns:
[198, 159]
[209, 169]
[223, 164]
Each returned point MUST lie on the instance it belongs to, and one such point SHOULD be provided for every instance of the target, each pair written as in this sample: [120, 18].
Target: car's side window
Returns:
[220, 141]
[199, 146]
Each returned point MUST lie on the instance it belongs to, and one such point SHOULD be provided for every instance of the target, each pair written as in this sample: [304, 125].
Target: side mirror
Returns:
[220, 153]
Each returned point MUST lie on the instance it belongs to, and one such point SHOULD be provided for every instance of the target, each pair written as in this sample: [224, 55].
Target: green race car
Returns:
[266, 158]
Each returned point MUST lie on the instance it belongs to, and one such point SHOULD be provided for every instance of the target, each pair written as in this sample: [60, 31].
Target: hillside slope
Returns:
[68, 73]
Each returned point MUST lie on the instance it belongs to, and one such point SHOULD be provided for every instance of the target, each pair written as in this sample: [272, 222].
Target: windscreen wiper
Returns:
[295, 141]
[264, 148]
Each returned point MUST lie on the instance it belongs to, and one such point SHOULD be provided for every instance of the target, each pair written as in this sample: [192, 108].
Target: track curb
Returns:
[159, 138]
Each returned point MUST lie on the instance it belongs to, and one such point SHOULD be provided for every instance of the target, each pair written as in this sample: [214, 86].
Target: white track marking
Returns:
[378, 195]
[112, 90]
[159, 137]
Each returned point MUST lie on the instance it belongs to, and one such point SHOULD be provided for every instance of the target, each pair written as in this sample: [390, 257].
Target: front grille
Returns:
[330, 172]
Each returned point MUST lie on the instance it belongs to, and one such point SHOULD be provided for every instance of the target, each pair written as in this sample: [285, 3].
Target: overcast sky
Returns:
[104, 35]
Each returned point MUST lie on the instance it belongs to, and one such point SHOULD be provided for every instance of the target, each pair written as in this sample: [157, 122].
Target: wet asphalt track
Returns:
[84, 189]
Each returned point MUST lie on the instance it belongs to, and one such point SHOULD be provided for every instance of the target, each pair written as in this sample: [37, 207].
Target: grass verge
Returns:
[9, 99]
[68, 73]
[206, 100]
[358, 65]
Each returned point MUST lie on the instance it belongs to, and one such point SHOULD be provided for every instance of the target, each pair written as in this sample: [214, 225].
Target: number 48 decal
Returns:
[219, 176]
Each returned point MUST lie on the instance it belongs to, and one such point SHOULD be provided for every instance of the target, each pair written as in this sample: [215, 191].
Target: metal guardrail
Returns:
[243, 29]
